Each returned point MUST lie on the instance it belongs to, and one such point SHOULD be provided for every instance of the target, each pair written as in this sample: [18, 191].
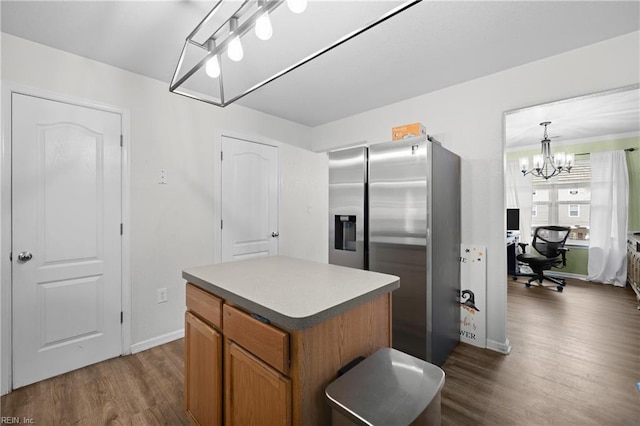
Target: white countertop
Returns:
[289, 292]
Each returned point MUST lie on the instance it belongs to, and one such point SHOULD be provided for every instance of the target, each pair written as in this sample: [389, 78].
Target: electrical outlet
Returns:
[162, 295]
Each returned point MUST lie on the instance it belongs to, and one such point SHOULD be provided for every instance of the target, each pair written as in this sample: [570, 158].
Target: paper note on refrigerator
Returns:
[473, 295]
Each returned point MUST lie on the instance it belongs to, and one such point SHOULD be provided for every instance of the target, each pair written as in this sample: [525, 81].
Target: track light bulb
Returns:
[235, 51]
[264, 30]
[297, 6]
[213, 67]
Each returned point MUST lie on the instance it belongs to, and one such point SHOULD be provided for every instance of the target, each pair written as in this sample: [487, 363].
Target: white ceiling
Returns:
[614, 113]
[433, 45]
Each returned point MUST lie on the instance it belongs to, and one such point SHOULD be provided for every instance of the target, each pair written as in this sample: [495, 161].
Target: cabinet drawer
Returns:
[205, 305]
[263, 340]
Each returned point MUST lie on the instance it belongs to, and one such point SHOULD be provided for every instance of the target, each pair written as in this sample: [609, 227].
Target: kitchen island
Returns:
[264, 337]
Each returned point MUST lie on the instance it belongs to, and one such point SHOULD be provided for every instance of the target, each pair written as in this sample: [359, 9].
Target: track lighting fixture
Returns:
[227, 28]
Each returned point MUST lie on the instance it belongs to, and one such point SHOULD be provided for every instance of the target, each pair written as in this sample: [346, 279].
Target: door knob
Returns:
[25, 256]
[275, 234]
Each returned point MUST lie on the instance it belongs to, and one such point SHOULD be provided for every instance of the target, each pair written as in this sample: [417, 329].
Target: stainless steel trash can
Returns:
[387, 388]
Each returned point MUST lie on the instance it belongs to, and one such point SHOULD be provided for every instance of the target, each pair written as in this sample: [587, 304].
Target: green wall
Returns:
[577, 257]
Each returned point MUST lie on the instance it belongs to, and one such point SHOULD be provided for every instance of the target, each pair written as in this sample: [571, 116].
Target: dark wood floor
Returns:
[140, 389]
[575, 361]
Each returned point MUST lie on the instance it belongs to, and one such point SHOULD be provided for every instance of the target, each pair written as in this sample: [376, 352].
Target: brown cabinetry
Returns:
[270, 376]
[203, 372]
[252, 365]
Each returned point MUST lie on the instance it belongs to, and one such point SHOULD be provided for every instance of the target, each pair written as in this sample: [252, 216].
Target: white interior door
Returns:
[249, 199]
[66, 237]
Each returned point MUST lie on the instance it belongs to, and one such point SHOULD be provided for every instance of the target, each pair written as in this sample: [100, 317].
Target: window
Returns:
[564, 200]
[574, 209]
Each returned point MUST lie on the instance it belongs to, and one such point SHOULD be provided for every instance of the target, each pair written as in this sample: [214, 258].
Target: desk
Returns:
[512, 261]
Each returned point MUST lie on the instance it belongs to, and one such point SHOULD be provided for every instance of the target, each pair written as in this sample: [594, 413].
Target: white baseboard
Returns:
[568, 275]
[157, 341]
[502, 347]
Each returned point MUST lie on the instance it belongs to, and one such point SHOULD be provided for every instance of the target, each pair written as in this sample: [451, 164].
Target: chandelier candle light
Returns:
[546, 165]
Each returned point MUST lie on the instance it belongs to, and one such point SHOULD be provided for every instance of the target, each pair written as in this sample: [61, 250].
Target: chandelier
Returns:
[546, 165]
[242, 45]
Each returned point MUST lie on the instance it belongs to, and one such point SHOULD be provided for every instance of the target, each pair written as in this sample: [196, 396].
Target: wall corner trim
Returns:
[501, 347]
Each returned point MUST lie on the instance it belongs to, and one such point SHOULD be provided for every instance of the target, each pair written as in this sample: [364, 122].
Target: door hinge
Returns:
[11, 257]
[221, 156]
[121, 229]
[221, 224]
[121, 317]
[121, 141]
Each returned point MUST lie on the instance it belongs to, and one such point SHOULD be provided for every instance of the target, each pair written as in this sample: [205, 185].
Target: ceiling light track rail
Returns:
[216, 9]
[221, 42]
[227, 38]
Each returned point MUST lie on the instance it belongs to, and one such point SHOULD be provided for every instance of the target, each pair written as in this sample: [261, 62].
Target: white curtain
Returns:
[609, 215]
[519, 196]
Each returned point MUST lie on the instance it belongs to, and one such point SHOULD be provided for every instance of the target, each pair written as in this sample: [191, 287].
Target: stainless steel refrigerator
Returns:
[395, 208]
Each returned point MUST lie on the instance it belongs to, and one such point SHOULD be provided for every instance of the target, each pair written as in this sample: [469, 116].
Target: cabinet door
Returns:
[203, 372]
[255, 393]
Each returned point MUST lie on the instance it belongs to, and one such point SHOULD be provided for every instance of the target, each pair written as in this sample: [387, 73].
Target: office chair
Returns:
[549, 241]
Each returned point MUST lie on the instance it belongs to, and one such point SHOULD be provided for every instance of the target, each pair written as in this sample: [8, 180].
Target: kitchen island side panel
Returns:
[318, 353]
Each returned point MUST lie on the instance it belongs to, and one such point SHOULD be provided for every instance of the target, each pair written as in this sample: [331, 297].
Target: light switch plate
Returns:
[162, 295]
[162, 180]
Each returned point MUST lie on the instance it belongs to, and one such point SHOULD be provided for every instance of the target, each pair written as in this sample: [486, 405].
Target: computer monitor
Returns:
[513, 219]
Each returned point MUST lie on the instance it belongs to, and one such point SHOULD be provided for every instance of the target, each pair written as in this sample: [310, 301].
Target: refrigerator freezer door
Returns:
[444, 247]
[347, 200]
[398, 235]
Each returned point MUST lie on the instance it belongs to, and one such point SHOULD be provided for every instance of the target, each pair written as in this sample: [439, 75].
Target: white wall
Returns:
[468, 119]
[172, 225]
